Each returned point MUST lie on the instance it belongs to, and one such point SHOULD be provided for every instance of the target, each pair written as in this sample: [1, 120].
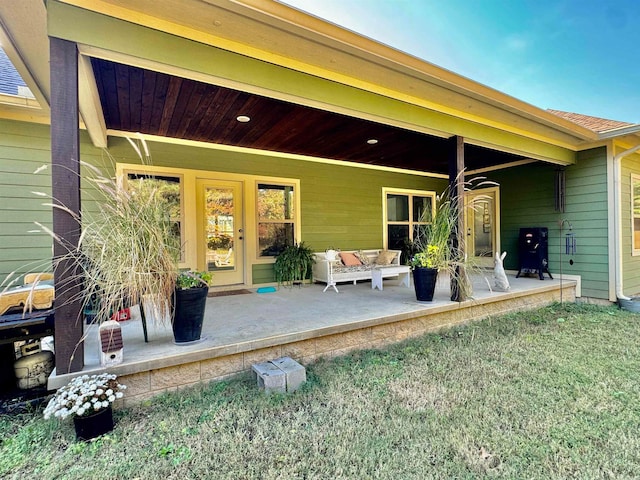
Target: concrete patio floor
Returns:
[245, 328]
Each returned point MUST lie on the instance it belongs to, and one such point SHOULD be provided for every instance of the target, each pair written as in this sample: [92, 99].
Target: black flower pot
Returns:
[424, 282]
[94, 425]
[189, 314]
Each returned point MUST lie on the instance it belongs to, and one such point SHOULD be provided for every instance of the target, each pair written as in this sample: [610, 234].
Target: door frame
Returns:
[221, 278]
[495, 223]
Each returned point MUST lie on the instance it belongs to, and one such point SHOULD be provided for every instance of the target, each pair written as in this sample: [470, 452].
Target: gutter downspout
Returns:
[617, 208]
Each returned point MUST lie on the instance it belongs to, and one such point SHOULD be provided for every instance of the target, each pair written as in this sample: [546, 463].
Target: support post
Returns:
[65, 190]
[456, 190]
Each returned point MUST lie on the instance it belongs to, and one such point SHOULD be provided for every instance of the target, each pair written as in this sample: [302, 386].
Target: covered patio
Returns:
[305, 324]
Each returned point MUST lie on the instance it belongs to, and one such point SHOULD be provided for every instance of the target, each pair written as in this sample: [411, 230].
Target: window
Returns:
[167, 187]
[404, 215]
[635, 212]
[276, 218]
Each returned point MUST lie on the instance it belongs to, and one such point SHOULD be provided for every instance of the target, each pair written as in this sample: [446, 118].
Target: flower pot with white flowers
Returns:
[88, 400]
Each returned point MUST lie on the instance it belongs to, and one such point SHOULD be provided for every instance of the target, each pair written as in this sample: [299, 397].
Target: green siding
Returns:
[341, 205]
[631, 263]
[531, 204]
[24, 148]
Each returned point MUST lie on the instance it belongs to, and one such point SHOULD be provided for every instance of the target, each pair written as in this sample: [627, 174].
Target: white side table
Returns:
[403, 272]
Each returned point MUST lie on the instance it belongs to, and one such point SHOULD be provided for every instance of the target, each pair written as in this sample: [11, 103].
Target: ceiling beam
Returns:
[89, 101]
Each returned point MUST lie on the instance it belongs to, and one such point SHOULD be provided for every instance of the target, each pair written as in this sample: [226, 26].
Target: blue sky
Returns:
[577, 56]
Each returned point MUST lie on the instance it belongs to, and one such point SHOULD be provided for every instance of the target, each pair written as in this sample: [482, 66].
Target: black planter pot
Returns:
[189, 314]
[424, 282]
[94, 425]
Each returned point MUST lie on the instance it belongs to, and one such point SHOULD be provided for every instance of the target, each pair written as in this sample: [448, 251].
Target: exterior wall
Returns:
[531, 204]
[630, 263]
[24, 148]
[341, 206]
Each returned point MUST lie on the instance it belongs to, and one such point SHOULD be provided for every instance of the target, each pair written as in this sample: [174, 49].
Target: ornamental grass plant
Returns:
[128, 248]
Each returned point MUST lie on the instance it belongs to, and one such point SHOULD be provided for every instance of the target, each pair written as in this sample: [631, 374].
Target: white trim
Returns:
[268, 153]
[617, 179]
[612, 221]
[620, 131]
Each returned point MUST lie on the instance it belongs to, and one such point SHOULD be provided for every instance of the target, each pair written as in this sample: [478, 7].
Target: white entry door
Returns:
[482, 225]
[221, 231]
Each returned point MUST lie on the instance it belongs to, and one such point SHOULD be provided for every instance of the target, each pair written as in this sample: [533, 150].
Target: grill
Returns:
[533, 248]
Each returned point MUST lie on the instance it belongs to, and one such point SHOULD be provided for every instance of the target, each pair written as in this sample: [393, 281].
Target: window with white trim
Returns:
[635, 213]
[404, 213]
[276, 218]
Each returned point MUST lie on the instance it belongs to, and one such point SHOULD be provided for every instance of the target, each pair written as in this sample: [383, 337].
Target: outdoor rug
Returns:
[229, 292]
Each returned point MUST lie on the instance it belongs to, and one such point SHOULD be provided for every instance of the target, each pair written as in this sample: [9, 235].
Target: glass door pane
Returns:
[219, 224]
[221, 231]
[482, 226]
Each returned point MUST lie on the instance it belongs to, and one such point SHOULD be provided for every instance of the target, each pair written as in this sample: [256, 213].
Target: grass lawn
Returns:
[553, 393]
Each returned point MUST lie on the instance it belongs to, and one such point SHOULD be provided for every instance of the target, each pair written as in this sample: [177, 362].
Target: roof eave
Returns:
[284, 21]
[620, 132]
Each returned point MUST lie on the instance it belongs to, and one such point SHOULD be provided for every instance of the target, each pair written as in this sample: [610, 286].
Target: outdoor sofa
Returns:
[354, 265]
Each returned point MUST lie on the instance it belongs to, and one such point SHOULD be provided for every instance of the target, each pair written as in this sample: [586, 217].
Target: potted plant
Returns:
[294, 264]
[432, 249]
[190, 297]
[88, 400]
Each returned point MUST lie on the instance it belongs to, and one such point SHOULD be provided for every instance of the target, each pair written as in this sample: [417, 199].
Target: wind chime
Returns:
[570, 248]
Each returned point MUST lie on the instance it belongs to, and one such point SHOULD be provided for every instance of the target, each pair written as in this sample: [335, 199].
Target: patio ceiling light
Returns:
[243, 118]
[372, 141]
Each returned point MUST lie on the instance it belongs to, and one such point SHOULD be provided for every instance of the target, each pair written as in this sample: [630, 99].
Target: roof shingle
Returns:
[596, 124]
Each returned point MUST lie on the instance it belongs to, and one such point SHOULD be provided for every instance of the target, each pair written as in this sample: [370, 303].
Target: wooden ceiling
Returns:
[138, 100]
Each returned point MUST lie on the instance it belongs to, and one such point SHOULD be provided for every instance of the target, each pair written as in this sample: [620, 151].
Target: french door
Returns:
[221, 231]
[482, 225]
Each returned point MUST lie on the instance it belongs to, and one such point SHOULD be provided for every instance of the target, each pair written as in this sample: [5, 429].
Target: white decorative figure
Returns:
[501, 281]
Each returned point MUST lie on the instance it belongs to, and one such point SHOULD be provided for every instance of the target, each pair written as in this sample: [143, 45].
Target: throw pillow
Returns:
[386, 257]
[362, 257]
[349, 259]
